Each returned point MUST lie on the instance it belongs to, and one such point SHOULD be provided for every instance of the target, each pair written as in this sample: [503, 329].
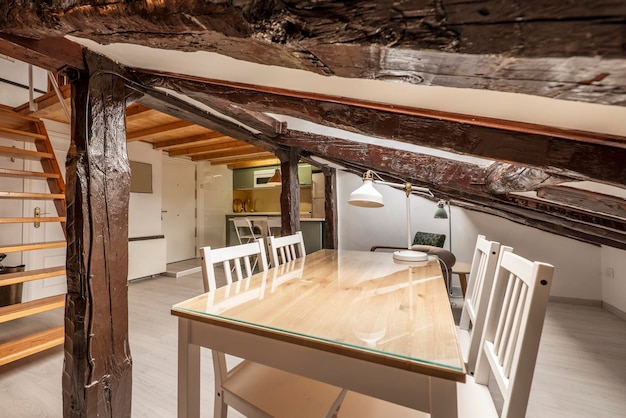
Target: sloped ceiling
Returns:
[533, 92]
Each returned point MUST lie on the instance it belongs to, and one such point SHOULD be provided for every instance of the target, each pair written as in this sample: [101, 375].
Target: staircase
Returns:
[15, 130]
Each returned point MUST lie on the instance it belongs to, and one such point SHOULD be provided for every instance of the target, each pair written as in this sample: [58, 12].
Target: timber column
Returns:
[97, 368]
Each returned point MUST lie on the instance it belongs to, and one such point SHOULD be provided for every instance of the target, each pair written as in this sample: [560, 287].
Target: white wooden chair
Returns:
[474, 311]
[244, 230]
[286, 248]
[233, 258]
[251, 388]
[509, 347]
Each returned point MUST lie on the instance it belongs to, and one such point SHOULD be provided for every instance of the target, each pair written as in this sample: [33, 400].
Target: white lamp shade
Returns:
[366, 196]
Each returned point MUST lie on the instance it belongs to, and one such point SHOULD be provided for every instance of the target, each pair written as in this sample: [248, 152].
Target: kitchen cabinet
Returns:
[243, 178]
[305, 172]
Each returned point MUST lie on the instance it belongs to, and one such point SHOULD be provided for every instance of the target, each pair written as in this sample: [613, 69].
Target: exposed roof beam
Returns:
[53, 53]
[502, 44]
[556, 151]
[428, 170]
[591, 201]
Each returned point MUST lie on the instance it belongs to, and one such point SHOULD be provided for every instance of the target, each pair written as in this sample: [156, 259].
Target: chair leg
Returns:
[220, 409]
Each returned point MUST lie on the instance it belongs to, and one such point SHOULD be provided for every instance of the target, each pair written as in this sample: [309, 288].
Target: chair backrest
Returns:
[274, 226]
[286, 248]
[244, 229]
[232, 257]
[513, 326]
[477, 294]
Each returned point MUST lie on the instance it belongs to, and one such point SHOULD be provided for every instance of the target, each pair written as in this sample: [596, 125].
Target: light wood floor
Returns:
[581, 369]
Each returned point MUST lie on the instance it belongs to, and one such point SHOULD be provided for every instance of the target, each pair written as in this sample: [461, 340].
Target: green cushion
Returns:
[428, 238]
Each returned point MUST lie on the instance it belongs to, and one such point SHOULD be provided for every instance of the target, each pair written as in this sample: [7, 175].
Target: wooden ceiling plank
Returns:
[253, 163]
[234, 159]
[137, 110]
[138, 135]
[230, 145]
[173, 106]
[238, 151]
[172, 143]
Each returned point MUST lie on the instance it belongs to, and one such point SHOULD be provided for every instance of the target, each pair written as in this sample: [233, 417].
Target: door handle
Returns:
[38, 214]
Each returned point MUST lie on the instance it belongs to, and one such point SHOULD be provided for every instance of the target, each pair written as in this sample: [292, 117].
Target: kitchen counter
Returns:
[312, 229]
[305, 218]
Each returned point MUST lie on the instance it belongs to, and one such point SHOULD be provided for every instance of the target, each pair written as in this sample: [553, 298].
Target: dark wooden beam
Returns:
[52, 54]
[425, 170]
[609, 225]
[97, 375]
[562, 51]
[591, 201]
[331, 224]
[556, 151]
[290, 192]
[477, 188]
[252, 119]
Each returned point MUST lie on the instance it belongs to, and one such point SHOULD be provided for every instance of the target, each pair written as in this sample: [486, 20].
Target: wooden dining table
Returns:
[356, 319]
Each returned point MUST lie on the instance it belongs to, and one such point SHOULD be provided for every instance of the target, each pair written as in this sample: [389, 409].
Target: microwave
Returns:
[262, 176]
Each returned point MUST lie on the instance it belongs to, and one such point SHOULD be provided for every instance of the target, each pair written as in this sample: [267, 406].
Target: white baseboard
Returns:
[615, 311]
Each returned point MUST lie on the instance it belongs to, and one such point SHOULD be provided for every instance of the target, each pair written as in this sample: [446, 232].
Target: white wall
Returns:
[146, 257]
[614, 285]
[144, 212]
[17, 72]
[578, 266]
[215, 200]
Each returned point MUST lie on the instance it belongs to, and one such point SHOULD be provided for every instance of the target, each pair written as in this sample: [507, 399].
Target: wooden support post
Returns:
[98, 366]
[290, 193]
[330, 208]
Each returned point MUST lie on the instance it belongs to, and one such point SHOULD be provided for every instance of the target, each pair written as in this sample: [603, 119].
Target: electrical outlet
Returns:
[610, 273]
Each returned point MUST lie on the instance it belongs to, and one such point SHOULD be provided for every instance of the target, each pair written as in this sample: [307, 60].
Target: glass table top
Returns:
[357, 303]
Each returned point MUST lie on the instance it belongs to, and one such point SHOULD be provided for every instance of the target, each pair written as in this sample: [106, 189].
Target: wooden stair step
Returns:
[29, 275]
[33, 307]
[25, 154]
[33, 196]
[32, 220]
[32, 344]
[11, 114]
[31, 246]
[7, 172]
[20, 135]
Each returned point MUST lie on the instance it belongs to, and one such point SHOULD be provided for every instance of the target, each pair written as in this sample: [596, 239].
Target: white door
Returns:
[179, 209]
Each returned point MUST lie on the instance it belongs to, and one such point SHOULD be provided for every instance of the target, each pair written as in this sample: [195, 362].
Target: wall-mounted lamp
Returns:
[367, 196]
[276, 178]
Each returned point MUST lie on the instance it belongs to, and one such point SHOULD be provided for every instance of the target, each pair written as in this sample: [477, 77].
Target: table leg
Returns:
[443, 398]
[188, 372]
[463, 281]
